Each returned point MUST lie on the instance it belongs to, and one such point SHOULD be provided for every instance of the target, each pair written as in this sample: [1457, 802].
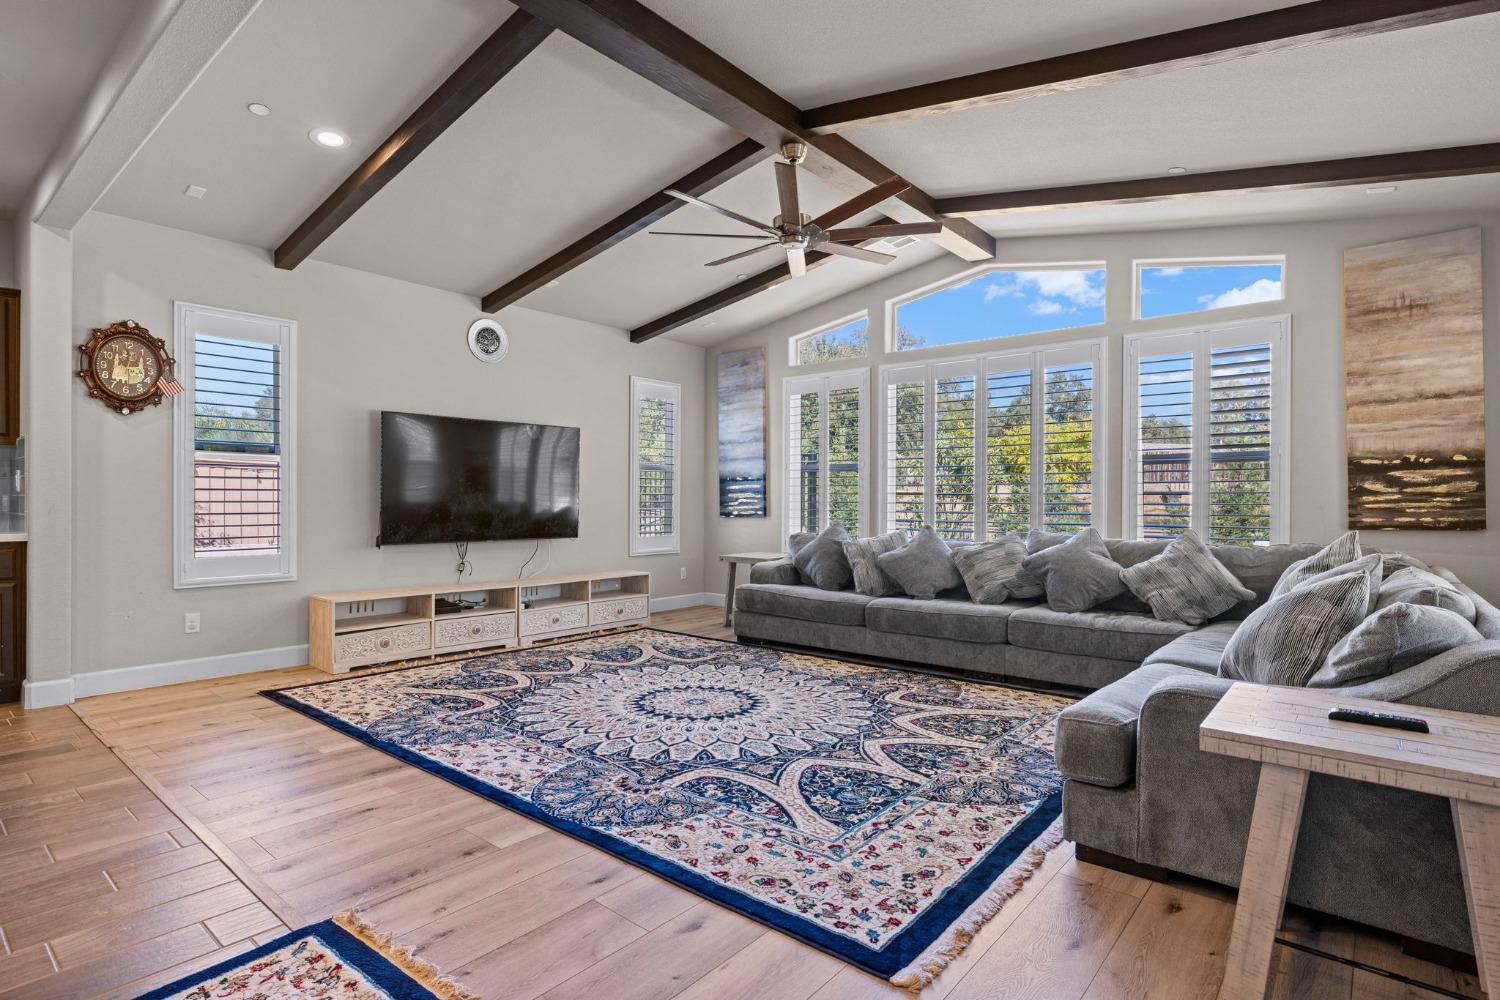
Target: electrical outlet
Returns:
[682, 573]
[192, 623]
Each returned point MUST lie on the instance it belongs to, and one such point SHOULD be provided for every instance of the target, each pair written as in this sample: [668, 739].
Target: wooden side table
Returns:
[734, 559]
[1289, 732]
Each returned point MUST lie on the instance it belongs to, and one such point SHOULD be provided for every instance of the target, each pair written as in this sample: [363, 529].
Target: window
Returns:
[825, 450]
[235, 428]
[999, 303]
[1208, 445]
[839, 341]
[1167, 288]
[655, 467]
[968, 449]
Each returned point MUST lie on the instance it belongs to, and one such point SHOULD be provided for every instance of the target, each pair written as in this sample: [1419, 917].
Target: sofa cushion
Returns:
[1111, 635]
[1201, 649]
[776, 571]
[1343, 549]
[964, 621]
[822, 562]
[989, 568]
[1416, 586]
[923, 566]
[1078, 574]
[1096, 737]
[1393, 639]
[1185, 583]
[869, 578]
[1286, 641]
[831, 607]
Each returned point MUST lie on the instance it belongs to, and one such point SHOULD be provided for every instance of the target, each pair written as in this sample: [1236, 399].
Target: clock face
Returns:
[126, 367]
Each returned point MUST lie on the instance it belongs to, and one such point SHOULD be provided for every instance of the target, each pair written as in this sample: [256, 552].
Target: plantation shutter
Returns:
[825, 450]
[845, 407]
[906, 450]
[1068, 448]
[655, 459]
[953, 479]
[1164, 498]
[1239, 484]
[1008, 414]
[804, 459]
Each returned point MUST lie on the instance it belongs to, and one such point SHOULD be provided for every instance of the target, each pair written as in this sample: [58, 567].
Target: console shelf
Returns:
[358, 628]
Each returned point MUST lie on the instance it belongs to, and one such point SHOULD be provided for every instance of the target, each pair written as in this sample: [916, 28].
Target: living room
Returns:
[421, 578]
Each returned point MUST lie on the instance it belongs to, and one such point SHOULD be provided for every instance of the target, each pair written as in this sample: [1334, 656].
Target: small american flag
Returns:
[169, 386]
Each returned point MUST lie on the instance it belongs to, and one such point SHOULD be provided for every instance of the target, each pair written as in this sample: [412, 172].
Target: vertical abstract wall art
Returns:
[1414, 383]
[742, 433]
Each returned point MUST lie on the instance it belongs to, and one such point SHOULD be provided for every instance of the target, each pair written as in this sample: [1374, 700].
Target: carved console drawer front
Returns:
[475, 629]
[538, 621]
[624, 609]
[382, 643]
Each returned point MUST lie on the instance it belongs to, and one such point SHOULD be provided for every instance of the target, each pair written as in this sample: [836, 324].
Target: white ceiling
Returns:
[50, 53]
[569, 139]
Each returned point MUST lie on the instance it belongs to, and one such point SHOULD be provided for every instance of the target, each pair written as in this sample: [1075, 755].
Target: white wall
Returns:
[8, 277]
[366, 343]
[1313, 298]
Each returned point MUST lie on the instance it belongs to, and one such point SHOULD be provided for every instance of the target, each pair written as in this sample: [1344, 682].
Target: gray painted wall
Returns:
[365, 343]
[8, 277]
[1313, 298]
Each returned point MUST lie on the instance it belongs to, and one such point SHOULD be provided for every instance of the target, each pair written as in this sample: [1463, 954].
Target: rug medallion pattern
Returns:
[860, 809]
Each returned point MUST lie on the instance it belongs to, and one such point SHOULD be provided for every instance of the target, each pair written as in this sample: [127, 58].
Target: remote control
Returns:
[1407, 722]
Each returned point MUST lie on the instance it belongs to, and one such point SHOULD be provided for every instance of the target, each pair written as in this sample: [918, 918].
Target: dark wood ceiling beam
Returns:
[1384, 168]
[721, 168]
[642, 41]
[1288, 27]
[487, 65]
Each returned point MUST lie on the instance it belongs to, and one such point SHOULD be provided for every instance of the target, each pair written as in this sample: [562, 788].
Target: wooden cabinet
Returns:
[12, 620]
[10, 365]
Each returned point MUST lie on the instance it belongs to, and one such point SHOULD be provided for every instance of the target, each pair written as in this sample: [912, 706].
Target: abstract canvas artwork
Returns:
[742, 433]
[1414, 383]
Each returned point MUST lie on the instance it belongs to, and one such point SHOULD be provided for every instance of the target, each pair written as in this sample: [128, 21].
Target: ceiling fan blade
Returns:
[858, 253]
[737, 217]
[858, 234]
[796, 261]
[742, 253]
[712, 236]
[786, 189]
[860, 202]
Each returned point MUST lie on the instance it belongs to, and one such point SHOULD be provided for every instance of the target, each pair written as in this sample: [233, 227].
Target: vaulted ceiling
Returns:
[570, 138]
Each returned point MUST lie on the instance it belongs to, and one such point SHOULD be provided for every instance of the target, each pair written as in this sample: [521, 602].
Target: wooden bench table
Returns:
[734, 559]
[1289, 732]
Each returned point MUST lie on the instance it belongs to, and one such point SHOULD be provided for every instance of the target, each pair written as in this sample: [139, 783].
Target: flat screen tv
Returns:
[450, 479]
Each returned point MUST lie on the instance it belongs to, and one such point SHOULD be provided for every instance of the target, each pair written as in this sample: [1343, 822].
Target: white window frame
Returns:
[1202, 339]
[642, 388]
[231, 569]
[964, 277]
[796, 340]
[1039, 359]
[1260, 260]
[824, 383]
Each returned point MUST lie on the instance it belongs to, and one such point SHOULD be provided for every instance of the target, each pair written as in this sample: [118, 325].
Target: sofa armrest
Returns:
[776, 571]
[1465, 679]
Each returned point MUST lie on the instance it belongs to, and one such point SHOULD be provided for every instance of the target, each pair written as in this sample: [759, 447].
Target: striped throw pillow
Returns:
[989, 568]
[1287, 640]
[1185, 583]
[1343, 549]
[869, 578]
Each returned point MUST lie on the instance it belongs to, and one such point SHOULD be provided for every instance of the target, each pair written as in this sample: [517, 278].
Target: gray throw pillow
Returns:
[1078, 574]
[923, 567]
[1400, 560]
[1343, 549]
[1392, 639]
[822, 562]
[1185, 583]
[869, 578]
[989, 567]
[1417, 586]
[1025, 584]
[1371, 565]
[795, 543]
[1286, 640]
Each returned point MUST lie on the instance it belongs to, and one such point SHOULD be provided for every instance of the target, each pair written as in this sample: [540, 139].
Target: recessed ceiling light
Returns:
[195, 191]
[1381, 189]
[330, 137]
[554, 282]
[741, 277]
[1177, 170]
[258, 109]
[712, 322]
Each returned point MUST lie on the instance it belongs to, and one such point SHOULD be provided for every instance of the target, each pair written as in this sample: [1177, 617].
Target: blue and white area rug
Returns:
[879, 815]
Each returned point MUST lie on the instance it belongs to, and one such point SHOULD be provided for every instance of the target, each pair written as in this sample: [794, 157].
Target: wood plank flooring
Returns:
[111, 885]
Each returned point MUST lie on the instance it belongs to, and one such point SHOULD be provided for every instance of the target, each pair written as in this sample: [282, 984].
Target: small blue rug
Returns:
[879, 815]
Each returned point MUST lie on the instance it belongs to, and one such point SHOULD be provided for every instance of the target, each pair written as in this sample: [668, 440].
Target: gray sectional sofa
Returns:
[1136, 787]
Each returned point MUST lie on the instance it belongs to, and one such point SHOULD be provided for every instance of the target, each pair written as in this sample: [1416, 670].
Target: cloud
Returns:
[1260, 290]
[1168, 272]
[1078, 289]
[1045, 307]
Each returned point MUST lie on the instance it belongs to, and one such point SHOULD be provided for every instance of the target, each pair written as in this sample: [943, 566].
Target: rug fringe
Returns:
[937, 956]
[403, 957]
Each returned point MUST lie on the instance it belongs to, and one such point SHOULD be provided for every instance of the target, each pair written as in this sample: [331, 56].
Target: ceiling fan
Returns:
[797, 233]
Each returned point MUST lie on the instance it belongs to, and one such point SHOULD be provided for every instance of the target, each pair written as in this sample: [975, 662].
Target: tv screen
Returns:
[449, 479]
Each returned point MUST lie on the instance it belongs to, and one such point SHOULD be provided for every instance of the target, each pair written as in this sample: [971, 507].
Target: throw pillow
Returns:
[795, 543]
[821, 561]
[1185, 583]
[1371, 565]
[923, 566]
[1400, 560]
[1026, 584]
[1417, 586]
[1392, 639]
[989, 567]
[1343, 549]
[869, 578]
[1286, 640]
[1078, 574]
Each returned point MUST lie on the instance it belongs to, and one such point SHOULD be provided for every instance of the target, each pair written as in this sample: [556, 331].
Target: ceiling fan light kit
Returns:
[795, 232]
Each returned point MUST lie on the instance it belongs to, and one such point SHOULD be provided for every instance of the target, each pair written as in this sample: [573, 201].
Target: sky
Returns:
[1169, 290]
[1005, 304]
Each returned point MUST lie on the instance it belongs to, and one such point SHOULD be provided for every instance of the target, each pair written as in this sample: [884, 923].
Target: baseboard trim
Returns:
[178, 671]
[46, 694]
[686, 601]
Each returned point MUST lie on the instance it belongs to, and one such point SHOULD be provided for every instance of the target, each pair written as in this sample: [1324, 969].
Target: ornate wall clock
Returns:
[126, 368]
